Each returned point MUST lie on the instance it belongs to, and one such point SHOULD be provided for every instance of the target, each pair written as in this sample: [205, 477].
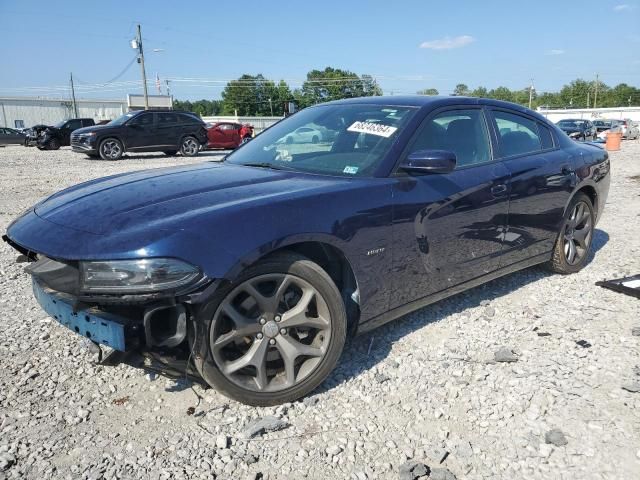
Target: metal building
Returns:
[21, 112]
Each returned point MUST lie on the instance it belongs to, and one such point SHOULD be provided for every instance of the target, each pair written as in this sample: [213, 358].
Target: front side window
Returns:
[167, 118]
[463, 132]
[144, 120]
[518, 135]
[345, 140]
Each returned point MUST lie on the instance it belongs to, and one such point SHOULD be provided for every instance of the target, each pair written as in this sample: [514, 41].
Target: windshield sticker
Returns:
[372, 128]
[350, 170]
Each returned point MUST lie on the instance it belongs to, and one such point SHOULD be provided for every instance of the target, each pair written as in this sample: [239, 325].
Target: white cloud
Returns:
[623, 7]
[555, 52]
[447, 43]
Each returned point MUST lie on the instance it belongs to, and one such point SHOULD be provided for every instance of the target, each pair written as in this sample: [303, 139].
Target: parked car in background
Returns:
[9, 136]
[259, 267]
[630, 129]
[606, 126]
[143, 131]
[578, 129]
[228, 134]
[52, 138]
[309, 134]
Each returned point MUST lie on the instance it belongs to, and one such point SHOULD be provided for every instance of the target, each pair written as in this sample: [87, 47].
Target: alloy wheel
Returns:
[111, 149]
[190, 146]
[578, 233]
[271, 332]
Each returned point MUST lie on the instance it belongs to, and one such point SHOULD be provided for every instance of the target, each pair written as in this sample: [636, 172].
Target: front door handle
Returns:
[498, 190]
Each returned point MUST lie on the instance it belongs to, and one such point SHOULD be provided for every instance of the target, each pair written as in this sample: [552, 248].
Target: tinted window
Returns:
[143, 119]
[463, 132]
[545, 137]
[166, 118]
[518, 135]
[186, 119]
[226, 126]
[73, 124]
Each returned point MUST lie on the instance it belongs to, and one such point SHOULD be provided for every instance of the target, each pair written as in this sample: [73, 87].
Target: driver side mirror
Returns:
[429, 161]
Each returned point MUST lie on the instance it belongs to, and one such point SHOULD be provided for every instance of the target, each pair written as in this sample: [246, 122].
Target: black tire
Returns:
[53, 144]
[111, 149]
[245, 388]
[189, 146]
[315, 139]
[170, 153]
[562, 261]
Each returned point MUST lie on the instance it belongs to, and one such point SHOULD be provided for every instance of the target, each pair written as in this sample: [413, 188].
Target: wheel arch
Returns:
[329, 256]
[591, 192]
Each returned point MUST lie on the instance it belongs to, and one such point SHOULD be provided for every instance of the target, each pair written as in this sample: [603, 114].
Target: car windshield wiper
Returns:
[265, 165]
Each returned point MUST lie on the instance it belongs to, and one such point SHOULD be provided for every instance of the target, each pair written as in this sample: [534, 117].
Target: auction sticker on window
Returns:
[372, 128]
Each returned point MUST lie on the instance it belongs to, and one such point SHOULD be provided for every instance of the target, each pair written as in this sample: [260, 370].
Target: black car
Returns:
[52, 138]
[143, 131]
[578, 129]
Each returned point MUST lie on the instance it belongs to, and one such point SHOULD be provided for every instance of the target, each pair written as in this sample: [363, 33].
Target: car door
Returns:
[66, 130]
[8, 136]
[167, 130]
[448, 228]
[219, 136]
[541, 181]
[140, 132]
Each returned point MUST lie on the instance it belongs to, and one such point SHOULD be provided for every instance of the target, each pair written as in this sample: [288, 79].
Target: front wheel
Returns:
[573, 245]
[189, 147]
[53, 144]
[274, 334]
[111, 149]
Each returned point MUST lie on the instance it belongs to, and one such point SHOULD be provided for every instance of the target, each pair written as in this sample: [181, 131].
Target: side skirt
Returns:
[398, 312]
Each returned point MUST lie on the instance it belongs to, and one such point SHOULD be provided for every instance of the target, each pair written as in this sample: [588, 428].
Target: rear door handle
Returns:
[498, 190]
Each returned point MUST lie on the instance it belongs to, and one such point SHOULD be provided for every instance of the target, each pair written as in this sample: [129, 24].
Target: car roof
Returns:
[430, 101]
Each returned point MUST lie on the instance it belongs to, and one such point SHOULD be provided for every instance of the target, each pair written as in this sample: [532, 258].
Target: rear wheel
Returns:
[273, 335]
[573, 245]
[189, 147]
[315, 139]
[111, 149]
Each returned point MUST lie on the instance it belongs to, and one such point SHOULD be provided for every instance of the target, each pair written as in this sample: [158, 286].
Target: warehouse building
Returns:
[23, 112]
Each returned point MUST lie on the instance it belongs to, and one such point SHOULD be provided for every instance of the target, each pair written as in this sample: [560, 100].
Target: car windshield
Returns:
[120, 120]
[344, 140]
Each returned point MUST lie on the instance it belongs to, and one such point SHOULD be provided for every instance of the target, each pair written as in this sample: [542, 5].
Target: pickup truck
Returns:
[52, 138]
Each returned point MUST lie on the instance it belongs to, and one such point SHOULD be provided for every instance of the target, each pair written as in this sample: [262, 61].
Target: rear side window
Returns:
[186, 119]
[74, 124]
[545, 137]
[463, 132]
[167, 118]
[518, 135]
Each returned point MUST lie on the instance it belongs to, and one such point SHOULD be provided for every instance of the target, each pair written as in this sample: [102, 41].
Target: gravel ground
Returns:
[420, 396]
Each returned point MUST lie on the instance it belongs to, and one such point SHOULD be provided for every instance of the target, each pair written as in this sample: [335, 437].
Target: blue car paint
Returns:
[430, 233]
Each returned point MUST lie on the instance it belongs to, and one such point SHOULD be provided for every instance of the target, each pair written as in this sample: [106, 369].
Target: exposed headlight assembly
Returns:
[136, 276]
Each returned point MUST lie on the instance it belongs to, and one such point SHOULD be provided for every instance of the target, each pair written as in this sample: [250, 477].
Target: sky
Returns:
[406, 45]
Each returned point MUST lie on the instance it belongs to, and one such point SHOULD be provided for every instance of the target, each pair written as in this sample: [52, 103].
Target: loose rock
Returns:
[555, 437]
[262, 425]
[505, 354]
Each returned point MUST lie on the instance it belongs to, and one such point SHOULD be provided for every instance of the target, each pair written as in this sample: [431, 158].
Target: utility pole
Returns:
[530, 94]
[595, 95]
[588, 93]
[166, 81]
[73, 97]
[271, 107]
[141, 62]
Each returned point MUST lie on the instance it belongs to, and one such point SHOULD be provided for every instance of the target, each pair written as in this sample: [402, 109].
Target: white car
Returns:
[304, 135]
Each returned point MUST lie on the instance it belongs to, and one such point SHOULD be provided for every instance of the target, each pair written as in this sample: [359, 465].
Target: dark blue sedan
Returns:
[260, 266]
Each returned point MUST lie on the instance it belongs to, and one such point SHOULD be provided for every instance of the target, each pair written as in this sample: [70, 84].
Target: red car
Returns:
[228, 134]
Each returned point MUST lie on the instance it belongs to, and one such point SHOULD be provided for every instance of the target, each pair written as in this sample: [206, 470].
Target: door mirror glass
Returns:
[430, 161]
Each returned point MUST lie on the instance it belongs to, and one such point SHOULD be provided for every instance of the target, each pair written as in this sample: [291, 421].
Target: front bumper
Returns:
[105, 328]
[84, 144]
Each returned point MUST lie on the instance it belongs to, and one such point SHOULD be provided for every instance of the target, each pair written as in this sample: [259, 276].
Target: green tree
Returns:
[334, 84]
[252, 95]
[501, 93]
[428, 91]
[461, 89]
[480, 92]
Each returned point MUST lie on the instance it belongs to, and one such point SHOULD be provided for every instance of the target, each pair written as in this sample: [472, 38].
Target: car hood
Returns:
[93, 128]
[170, 198]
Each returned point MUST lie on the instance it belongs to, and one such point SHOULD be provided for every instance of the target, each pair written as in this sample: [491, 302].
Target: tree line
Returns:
[577, 94]
[255, 95]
